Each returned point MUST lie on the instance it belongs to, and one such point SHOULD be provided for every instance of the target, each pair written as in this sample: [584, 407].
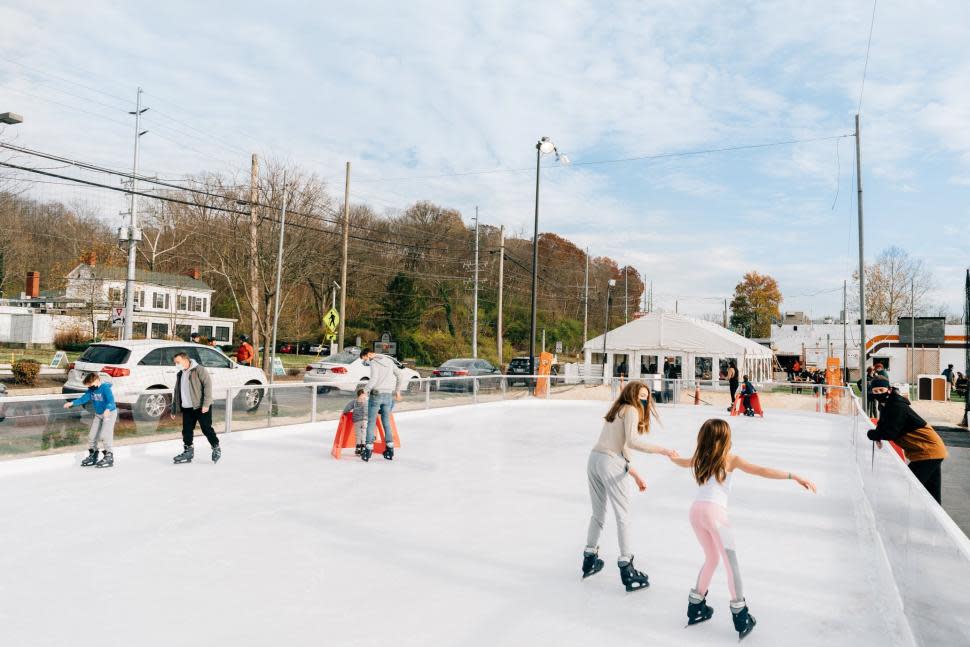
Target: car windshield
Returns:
[104, 354]
[343, 357]
[458, 363]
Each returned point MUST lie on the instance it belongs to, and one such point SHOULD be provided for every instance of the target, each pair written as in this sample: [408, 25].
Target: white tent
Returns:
[700, 349]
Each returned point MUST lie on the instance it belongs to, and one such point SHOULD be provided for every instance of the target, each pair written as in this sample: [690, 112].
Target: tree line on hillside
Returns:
[409, 271]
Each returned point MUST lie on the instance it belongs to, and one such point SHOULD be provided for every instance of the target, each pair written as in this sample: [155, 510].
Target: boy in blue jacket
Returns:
[103, 426]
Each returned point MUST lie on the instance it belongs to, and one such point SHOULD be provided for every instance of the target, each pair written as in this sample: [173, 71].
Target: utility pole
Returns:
[343, 262]
[254, 257]
[912, 327]
[133, 235]
[501, 279]
[279, 276]
[543, 340]
[651, 295]
[725, 314]
[862, 270]
[586, 301]
[677, 306]
[475, 299]
[626, 294]
[845, 340]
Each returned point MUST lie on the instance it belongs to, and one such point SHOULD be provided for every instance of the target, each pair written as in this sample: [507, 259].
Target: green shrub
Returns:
[25, 371]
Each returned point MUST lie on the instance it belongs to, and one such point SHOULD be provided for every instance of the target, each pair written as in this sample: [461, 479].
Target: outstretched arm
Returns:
[682, 462]
[739, 463]
[634, 439]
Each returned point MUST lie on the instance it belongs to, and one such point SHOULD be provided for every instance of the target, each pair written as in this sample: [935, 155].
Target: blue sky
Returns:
[419, 89]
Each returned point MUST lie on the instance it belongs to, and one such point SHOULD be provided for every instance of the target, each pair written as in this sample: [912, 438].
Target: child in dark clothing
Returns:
[359, 406]
[747, 390]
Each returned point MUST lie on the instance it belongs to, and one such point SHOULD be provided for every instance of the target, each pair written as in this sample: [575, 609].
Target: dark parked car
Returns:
[519, 367]
[467, 367]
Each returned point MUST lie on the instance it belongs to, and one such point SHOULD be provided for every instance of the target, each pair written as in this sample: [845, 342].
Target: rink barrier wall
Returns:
[927, 553]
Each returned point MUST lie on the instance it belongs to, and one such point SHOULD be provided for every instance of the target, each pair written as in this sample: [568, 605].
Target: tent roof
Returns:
[668, 331]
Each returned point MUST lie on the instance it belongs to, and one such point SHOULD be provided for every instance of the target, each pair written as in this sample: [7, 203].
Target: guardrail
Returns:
[37, 424]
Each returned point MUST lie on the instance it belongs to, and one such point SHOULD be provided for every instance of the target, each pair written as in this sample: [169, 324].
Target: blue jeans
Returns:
[382, 403]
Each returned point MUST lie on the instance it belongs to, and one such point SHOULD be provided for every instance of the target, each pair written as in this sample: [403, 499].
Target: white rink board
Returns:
[472, 536]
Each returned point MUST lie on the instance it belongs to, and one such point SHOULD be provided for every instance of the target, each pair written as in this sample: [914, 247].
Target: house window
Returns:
[205, 331]
[159, 330]
[183, 331]
[140, 298]
[168, 302]
[222, 333]
[158, 300]
[205, 303]
[139, 330]
[183, 302]
[114, 295]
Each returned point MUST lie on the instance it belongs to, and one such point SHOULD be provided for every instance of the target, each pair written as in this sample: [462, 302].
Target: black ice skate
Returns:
[216, 453]
[358, 449]
[744, 622]
[697, 609]
[107, 461]
[632, 579]
[92, 458]
[592, 564]
[389, 453]
[188, 453]
[366, 453]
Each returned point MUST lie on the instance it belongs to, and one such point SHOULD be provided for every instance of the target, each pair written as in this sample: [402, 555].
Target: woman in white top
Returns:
[714, 465]
[627, 421]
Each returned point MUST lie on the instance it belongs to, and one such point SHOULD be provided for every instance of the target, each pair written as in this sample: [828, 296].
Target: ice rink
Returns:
[472, 536]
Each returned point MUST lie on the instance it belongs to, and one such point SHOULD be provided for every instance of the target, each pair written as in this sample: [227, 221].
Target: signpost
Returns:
[117, 317]
[59, 356]
[278, 366]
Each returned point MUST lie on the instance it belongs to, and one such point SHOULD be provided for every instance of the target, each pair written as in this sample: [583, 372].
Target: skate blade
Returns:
[633, 589]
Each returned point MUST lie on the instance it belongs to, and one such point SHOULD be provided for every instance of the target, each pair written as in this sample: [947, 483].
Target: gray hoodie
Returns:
[385, 376]
[199, 385]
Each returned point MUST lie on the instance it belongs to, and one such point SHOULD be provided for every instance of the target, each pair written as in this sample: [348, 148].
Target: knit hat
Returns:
[880, 382]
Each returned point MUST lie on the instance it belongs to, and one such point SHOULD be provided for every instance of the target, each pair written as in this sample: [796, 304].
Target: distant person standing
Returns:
[244, 354]
[194, 338]
[796, 367]
[951, 379]
[733, 382]
[385, 379]
[881, 371]
[870, 401]
[923, 447]
[192, 397]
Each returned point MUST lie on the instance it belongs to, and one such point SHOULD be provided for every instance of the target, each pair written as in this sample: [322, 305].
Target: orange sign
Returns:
[545, 367]
[833, 377]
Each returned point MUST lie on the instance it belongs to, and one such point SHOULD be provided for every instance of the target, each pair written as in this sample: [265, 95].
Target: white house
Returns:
[166, 306]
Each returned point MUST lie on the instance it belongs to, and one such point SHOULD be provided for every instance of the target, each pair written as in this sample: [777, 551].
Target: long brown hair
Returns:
[710, 456]
[630, 396]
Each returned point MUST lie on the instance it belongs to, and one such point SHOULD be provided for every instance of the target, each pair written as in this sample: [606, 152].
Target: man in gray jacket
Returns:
[385, 378]
[193, 397]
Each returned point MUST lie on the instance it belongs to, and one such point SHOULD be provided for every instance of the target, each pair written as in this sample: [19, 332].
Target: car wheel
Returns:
[323, 390]
[152, 406]
[249, 399]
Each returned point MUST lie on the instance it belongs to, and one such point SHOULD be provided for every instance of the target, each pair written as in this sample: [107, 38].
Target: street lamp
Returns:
[10, 118]
[543, 147]
[606, 320]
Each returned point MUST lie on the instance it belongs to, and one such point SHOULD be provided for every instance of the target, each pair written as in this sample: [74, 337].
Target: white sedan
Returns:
[344, 372]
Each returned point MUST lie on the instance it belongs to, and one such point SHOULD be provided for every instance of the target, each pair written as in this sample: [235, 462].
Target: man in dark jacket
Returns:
[193, 397]
[923, 447]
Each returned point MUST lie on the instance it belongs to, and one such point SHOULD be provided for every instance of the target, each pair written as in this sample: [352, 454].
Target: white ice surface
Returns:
[471, 536]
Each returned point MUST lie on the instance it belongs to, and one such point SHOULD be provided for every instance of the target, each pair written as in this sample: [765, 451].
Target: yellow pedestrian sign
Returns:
[331, 319]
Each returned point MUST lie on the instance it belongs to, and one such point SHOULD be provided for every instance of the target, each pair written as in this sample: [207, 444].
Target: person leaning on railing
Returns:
[923, 447]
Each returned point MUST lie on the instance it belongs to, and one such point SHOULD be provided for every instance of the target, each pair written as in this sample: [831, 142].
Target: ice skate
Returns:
[91, 459]
[697, 609]
[592, 564]
[188, 453]
[744, 622]
[107, 461]
[632, 579]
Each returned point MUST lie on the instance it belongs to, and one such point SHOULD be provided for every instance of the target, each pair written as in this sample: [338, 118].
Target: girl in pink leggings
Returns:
[714, 465]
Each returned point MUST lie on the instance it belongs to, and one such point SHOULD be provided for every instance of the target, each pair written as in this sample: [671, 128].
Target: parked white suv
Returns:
[344, 371]
[135, 366]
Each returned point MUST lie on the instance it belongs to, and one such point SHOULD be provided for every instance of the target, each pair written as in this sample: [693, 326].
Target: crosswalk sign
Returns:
[331, 319]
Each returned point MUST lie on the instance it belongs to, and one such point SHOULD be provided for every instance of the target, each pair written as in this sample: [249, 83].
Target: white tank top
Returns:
[715, 492]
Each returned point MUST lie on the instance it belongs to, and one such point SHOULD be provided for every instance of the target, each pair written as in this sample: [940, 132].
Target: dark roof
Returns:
[154, 278]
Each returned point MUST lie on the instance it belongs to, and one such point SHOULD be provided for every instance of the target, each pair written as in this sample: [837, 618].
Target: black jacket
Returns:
[895, 419]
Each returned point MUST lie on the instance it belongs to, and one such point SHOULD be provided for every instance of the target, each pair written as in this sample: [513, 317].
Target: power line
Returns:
[865, 67]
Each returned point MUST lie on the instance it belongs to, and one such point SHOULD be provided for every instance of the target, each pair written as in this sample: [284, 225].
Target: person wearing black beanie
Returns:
[898, 422]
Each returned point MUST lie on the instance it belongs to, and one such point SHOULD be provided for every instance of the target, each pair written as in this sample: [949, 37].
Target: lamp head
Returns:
[10, 118]
[612, 283]
[545, 146]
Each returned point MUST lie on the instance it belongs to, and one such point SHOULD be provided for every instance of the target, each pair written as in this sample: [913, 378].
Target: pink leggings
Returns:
[713, 530]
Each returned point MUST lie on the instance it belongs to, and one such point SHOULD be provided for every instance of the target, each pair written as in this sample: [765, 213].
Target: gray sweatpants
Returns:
[103, 427]
[360, 431]
[608, 481]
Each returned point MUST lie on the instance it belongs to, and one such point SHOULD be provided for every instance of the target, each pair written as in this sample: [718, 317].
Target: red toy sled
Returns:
[345, 439]
[755, 404]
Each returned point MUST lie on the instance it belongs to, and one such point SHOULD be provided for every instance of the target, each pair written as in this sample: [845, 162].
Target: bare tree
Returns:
[891, 282]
